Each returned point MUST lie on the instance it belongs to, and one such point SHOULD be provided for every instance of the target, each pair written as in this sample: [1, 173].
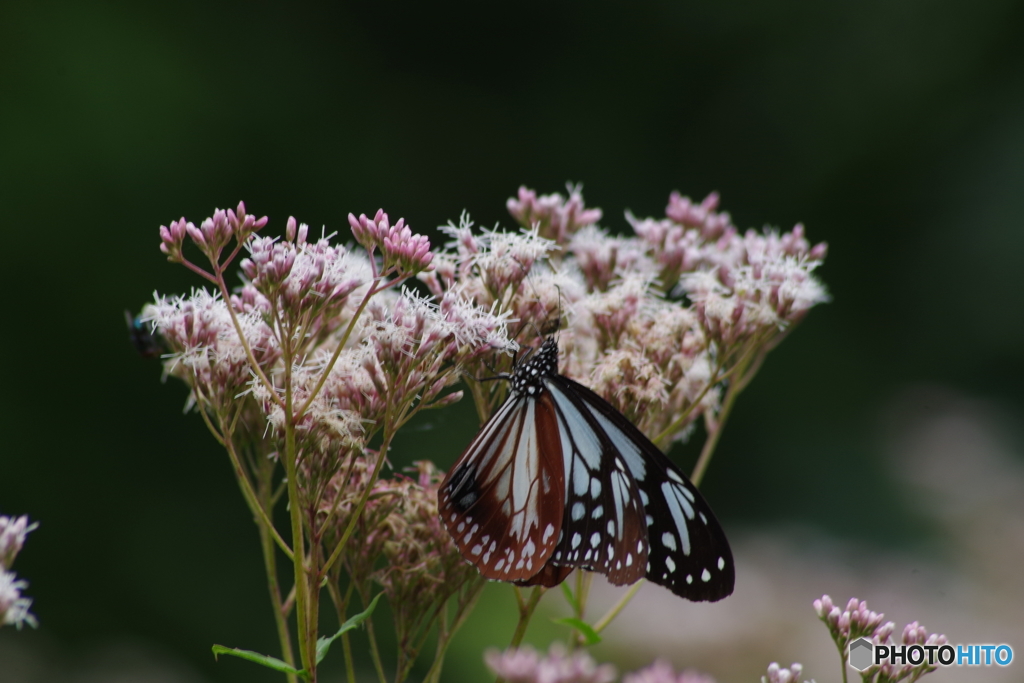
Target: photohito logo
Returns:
[863, 654]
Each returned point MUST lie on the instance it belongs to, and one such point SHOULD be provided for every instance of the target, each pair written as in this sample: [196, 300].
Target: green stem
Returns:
[745, 371]
[307, 644]
[525, 614]
[603, 622]
[375, 651]
[466, 605]
[677, 424]
[381, 456]
[389, 433]
[270, 565]
[583, 582]
[262, 519]
[340, 609]
[350, 668]
[314, 583]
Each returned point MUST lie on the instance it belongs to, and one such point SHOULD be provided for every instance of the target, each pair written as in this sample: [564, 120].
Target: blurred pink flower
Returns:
[662, 672]
[524, 665]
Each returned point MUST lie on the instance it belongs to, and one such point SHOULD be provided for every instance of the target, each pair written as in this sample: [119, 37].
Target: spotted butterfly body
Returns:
[558, 479]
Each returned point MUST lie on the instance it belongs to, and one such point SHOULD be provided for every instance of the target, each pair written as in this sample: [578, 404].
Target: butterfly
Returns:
[558, 479]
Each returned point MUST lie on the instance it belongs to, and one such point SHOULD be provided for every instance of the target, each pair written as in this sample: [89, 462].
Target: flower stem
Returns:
[445, 633]
[745, 370]
[375, 651]
[262, 519]
[257, 370]
[677, 424]
[583, 581]
[357, 513]
[525, 614]
[307, 640]
[373, 289]
[603, 622]
[270, 564]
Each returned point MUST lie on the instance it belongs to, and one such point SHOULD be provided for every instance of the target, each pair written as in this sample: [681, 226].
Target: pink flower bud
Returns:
[823, 606]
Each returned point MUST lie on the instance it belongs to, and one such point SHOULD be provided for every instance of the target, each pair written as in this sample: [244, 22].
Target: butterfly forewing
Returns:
[689, 552]
[687, 549]
[502, 501]
[603, 526]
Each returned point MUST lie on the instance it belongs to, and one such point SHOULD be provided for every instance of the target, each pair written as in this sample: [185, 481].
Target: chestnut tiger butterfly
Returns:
[559, 479]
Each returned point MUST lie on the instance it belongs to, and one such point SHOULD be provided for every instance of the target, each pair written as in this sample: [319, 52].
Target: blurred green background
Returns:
[893, 130]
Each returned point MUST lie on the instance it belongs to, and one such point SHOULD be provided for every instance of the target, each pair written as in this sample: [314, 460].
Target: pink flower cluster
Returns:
[777, 674]
[661, 672]
[525, 665]
[857, 621]
[322, 324]
[402, 250]
[654, 322]
[206, 351]
[555, 217]
[704, 216]
[14, 607]
[212, 235]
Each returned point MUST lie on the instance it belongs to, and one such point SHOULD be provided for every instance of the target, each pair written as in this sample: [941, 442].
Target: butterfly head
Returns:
[529, 375]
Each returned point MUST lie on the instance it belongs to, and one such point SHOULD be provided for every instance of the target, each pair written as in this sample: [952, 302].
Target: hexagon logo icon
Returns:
[861, 653]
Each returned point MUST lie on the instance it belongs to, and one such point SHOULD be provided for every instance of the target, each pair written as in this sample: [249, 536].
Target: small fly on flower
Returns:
[142, 337]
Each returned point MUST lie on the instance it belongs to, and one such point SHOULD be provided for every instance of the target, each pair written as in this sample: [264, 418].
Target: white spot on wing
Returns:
[582, 434]
[629, 450]
[678, 515]
[580, 477]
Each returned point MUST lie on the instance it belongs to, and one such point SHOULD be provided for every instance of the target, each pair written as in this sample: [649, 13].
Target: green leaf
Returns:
[264, 660]
[324, 644]
[570, 598]
[590, 636]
